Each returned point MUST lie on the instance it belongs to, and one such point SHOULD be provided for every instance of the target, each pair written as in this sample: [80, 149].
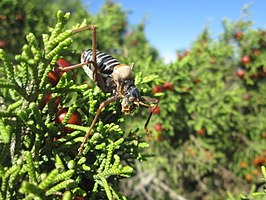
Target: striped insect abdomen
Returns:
[106, 64]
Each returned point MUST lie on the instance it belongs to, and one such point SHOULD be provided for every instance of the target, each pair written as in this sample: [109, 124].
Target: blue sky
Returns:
[174, 24]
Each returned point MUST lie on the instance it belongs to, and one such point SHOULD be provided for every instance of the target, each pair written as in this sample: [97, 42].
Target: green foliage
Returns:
[39, 156]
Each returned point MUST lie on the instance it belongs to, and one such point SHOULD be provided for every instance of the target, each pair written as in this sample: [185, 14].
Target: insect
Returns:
[112, 77]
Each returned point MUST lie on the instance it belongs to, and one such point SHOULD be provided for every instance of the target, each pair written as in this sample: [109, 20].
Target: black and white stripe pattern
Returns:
[105, 62]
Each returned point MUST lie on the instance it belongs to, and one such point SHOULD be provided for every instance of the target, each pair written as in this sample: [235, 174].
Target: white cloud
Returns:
[168, 57]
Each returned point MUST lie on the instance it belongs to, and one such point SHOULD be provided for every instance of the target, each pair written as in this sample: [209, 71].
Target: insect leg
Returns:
[74, 66]
[98, 112]
[93, 40]
[150, 100]
[97, 77]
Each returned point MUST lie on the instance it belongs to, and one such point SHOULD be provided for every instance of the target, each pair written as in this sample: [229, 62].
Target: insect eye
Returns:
[131, 98]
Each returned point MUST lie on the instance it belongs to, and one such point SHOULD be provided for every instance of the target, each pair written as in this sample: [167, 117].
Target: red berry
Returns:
[259, 160]
[53, 78]
[256, 52]
[256, 172]
[245, 60]
[264, 72]
[168, 86]
[255, 75]
[19, 17]
[55, 75]
[79, 198]
[246, 97]
[158, 127]
[3, 17]
[57, 101]
[157, 88]
[240, 72]
[180, 56]
[248, 177]
[201, 131]
[160, 138]
[243, 164]
[238, 35]
[74, 119]
[155, 110]
[134, 42]
[196, 81]
[61, 62]
[46, 98]
[3, 44]
[187, 52]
